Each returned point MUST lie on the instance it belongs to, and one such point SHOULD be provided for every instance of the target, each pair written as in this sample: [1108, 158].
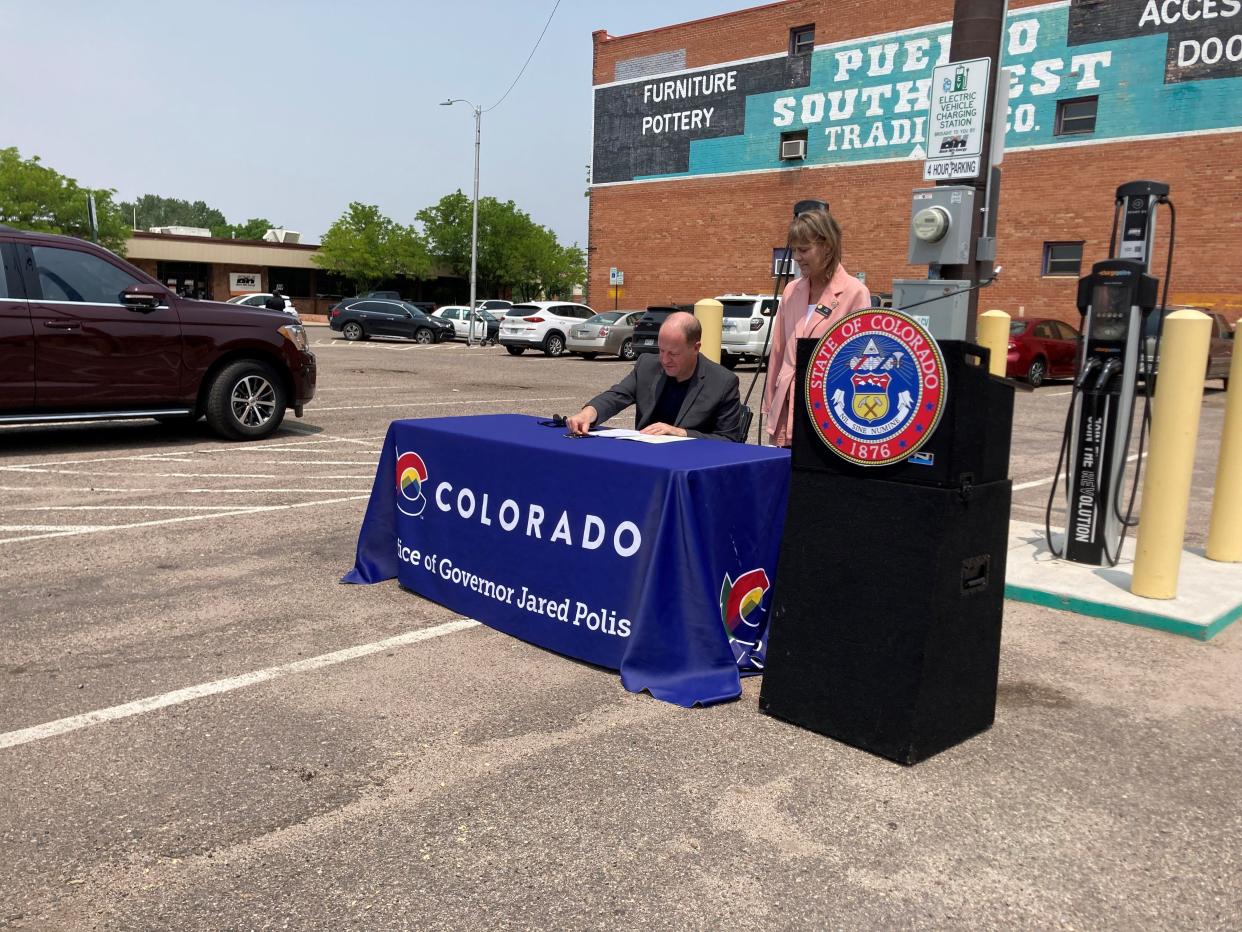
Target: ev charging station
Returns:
[1115, 301]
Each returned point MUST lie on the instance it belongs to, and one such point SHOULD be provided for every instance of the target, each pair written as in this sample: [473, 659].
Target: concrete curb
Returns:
[1209, 593]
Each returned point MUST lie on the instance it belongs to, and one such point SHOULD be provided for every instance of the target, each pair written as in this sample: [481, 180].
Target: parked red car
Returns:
[86, 336]
[1041, 348]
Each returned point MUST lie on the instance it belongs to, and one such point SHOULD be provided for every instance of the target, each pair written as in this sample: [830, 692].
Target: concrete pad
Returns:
[1209, 593]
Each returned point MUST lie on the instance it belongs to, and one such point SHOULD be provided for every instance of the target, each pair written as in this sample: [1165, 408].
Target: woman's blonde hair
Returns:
[817, 226]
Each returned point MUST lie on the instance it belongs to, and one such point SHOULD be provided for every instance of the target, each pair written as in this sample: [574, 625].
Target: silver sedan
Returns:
[609, 333]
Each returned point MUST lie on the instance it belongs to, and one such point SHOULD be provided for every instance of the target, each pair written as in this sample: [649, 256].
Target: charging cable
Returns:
[1079, 384]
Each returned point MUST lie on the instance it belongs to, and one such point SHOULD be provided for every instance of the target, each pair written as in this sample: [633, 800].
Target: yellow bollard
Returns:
[1174, 431]
[710, 313]
[993, 332]
[1225, 537]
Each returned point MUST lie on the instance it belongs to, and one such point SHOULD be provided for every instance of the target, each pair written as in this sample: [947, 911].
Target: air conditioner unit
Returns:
[281, 235]
[793, 148]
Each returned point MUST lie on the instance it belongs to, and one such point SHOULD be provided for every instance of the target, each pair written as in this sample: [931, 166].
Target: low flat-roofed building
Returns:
[218, 269]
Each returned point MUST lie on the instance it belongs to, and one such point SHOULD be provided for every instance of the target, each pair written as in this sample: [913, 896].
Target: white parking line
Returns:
[303, 463]
[241, 510]
[295, 446]
[200, 475]
[94, 490]
[97, 490]
[150, 704]
[132, 507]
[155, 475]
[266, 491]
[1035, 483]
[345, 344]
[26, 528]
[441, 404]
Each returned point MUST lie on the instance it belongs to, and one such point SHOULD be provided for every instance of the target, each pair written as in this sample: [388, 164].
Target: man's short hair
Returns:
[688, 324]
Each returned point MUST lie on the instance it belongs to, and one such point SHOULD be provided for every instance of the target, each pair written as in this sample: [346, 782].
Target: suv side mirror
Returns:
[143, 297]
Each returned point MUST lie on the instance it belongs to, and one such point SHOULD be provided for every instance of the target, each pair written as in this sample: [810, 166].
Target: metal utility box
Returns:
[940, 225]
[944, 318]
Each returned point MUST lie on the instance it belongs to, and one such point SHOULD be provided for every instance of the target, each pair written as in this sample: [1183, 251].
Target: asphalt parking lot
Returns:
[201, 728]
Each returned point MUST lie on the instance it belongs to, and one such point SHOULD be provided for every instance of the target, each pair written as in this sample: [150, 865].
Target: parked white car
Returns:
[497, 307]
[259, 299]
[744, 330]
[459, 316]
[541, 325]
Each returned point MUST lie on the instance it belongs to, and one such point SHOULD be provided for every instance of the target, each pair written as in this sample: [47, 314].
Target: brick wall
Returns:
[682, 240]
[679, 241]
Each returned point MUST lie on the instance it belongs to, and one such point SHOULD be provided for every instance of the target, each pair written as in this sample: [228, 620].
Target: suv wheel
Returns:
[554, 344]
[424, 336]
[246, 401]
[627, 351]
[352, 331]
[729, 360]
[516, 350]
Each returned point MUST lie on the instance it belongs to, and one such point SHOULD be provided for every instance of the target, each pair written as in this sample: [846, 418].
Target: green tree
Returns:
[446, 225]
[514, 252]
[152, 210]
[254, 228]
[368, 248]
[35, 197]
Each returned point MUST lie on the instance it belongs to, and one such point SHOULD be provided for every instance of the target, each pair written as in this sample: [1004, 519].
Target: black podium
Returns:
[886, 622]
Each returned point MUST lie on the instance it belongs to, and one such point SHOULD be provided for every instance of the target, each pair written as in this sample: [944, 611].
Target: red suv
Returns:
[84, 336]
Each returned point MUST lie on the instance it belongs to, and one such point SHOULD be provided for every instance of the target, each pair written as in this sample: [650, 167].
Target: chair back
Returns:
[744, 426]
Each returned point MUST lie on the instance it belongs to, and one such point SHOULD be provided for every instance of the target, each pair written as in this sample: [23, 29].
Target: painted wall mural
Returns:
[1158, 68]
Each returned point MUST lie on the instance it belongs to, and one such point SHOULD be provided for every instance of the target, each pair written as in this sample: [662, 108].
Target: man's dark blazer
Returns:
[712, 408]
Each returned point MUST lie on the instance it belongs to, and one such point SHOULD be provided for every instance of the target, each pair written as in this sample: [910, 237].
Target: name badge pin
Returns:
[825, 311]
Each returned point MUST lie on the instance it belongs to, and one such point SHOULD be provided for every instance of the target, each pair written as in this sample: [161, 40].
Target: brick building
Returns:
[690, 194]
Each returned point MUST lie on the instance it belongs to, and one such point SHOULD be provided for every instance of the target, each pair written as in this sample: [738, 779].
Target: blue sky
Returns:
[290, 110]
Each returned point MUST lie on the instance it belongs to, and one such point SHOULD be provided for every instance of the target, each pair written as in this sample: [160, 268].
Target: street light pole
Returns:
[474, 223]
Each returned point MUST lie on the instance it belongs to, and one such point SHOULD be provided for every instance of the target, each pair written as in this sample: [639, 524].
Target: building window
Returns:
[801, 39]
[793, 146]
[1077, 116]
[295, 283]
[1062, 258]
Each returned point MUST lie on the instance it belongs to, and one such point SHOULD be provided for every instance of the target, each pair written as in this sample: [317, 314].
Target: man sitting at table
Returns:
[678, 393]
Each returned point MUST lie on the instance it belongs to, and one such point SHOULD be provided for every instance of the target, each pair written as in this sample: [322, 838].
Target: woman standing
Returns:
[822, 294]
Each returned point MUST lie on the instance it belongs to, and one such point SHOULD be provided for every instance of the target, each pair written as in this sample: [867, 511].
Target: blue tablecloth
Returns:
[655, 560]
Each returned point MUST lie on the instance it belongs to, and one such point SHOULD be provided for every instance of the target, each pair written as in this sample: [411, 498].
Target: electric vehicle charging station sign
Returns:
[959, 100]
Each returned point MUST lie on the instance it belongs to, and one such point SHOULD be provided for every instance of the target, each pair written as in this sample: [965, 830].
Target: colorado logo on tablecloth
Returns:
[411, 474]
[739, 600]
[875, 387]
[741, 612]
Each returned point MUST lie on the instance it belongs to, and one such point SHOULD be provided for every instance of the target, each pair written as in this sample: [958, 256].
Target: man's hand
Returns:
[581, 422]
[660, 429]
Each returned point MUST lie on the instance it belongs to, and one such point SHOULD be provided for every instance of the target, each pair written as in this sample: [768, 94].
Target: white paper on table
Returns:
[626, 433]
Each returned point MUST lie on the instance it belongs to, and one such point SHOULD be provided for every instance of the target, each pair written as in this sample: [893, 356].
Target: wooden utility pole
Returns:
[978, 32]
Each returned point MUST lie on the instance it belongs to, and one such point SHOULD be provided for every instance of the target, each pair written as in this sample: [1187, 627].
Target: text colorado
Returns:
[591, 531]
